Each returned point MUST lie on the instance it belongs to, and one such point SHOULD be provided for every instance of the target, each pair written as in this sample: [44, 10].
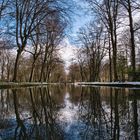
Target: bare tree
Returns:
[54, 27]
[94, 40]
[128, 5]
[26, 15]
[36, 50]
[3, 6]
[108, 12]
[82, 62]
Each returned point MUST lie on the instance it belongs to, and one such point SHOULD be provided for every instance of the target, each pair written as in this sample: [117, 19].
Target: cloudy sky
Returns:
[80, 18]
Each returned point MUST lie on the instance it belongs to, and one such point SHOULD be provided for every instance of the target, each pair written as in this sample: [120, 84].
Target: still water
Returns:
[70, 113]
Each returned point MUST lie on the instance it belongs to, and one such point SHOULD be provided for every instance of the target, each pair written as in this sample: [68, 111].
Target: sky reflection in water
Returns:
[70, 113]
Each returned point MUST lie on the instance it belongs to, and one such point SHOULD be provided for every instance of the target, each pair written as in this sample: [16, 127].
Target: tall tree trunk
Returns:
[16, 65]
[115, 62]
[42, 70]
[114, 46]
[43, 64]
[32, 71]
[2, 70]
[81, 73]
[112, 17]
[133, 62]
[8, 69]
[110, 62]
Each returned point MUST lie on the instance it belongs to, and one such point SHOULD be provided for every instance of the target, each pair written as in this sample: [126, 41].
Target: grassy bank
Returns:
[20, 84]
[28, 84]
[112, 84]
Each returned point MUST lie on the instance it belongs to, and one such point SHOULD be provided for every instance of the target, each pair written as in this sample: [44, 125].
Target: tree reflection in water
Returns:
[20, 129]
[70, 113]
[35, 119]
[93, 115]
[109, 116]
[135, 114]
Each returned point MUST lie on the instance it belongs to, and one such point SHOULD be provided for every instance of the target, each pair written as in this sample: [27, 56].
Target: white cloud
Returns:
[67, 52]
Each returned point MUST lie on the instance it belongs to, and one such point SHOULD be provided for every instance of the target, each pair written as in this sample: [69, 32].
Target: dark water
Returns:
[70, 113]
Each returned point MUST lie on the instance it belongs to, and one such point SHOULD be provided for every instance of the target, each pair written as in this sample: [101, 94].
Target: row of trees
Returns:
[109, 43]
[33, 28]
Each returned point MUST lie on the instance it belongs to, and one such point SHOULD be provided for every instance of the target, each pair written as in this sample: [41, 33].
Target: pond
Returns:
[70, 113]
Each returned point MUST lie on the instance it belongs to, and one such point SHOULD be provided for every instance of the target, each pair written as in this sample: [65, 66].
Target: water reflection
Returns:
[70, 113]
